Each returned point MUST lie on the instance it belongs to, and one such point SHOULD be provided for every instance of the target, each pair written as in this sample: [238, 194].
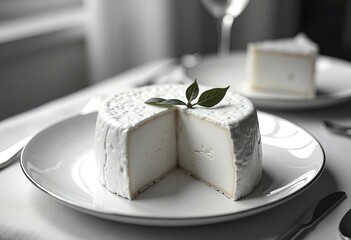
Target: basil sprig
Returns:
[208, 98]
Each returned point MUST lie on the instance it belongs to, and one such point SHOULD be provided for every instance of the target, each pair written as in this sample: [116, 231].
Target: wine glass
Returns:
[224, 11]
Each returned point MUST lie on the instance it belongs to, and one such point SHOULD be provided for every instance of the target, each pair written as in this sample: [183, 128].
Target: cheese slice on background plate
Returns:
[283, 67]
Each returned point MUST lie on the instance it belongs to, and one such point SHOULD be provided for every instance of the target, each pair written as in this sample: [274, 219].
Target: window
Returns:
[42, 52]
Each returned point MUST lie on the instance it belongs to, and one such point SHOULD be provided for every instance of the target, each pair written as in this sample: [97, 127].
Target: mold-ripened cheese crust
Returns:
[126, 111]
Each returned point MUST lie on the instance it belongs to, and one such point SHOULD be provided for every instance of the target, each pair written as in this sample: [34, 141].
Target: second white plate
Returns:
[61, 161]
[333, 81]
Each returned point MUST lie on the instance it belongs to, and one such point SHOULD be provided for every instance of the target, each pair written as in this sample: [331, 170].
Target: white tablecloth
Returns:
[28, 213]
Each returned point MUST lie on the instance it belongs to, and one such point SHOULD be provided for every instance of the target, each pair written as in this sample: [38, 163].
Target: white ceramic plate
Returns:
[333, 81]
[61, 162]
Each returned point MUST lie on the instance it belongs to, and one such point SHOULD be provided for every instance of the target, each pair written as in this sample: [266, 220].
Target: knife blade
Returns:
[313, 214]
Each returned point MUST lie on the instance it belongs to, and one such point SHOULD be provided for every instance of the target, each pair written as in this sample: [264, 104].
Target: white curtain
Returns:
[125, 33]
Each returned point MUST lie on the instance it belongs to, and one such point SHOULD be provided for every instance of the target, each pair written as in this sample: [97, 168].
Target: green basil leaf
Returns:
[164, 102]
[192, 91]
[154, 101]
[208, 98]
[212, 97]
[172, 102]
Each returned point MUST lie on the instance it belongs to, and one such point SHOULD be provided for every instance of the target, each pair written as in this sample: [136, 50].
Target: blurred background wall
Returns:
[50, 48]
[124, 33]
[42, 52]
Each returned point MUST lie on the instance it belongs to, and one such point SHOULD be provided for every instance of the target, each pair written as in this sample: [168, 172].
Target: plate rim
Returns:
[168, 221]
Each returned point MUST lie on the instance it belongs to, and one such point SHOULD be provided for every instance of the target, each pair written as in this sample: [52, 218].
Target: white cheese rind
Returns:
[126, 112]
[283, 68]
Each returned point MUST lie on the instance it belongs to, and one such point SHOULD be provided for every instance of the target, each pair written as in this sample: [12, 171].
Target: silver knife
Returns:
[313, 215]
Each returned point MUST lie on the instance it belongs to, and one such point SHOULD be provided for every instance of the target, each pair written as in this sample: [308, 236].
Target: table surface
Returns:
[28, 213]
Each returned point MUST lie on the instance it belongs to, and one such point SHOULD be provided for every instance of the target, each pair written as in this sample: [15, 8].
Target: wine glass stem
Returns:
[224, 35]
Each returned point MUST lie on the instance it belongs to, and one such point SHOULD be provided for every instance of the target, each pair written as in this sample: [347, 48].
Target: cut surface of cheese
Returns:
[138, 144]
[158, 151]
[204, 159]
[284, 67]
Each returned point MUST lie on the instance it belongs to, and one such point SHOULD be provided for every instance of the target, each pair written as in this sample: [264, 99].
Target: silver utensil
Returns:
[159, 73]
[345, 226]
[337, 128]
[313, 214]
[8, 155]
[185, 61]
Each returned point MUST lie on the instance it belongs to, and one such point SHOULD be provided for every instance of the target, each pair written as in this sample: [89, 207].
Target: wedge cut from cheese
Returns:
[284, 67]
[138, 144]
